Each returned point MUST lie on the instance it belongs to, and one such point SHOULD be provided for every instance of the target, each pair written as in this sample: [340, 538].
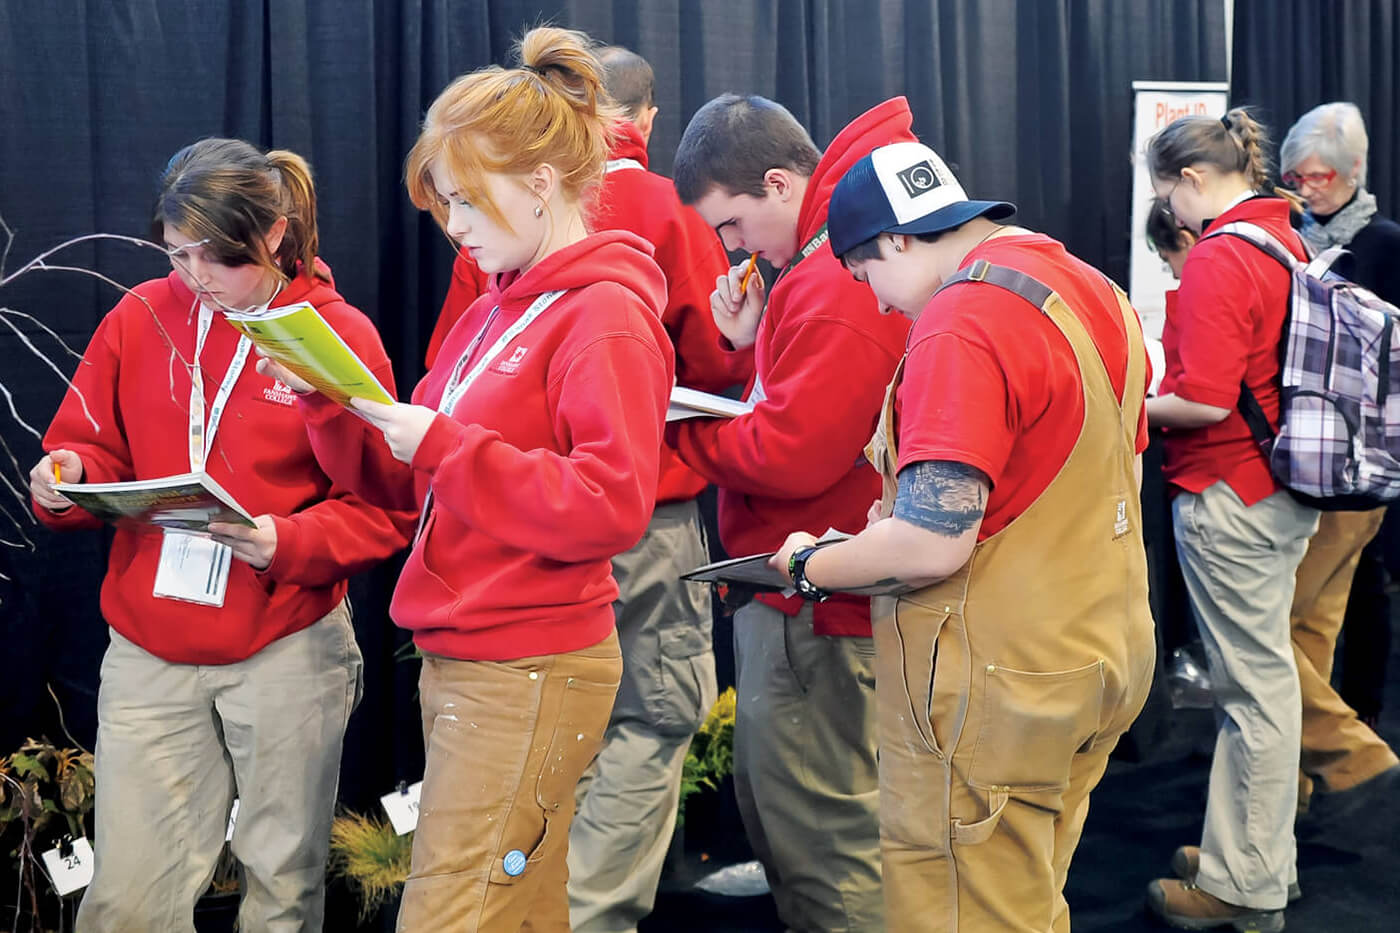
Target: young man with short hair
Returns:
[804, 739]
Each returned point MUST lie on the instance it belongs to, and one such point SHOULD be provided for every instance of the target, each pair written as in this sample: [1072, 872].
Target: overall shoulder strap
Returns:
[1018, 283]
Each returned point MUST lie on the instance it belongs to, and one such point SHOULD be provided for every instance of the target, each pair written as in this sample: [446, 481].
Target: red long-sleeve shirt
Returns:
[1224, 329]
[139, 394]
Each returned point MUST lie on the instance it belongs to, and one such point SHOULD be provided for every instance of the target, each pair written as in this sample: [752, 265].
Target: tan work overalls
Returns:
[1002, 690]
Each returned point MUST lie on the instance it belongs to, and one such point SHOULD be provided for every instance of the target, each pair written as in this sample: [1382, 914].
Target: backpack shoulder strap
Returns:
[1259, 238]
[1018, 283]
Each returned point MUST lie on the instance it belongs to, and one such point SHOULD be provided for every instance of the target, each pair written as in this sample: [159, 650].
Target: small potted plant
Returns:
[374, 860]
[46, 796]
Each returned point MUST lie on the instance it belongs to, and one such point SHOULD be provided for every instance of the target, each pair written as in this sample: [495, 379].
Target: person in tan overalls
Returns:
[1012, 634]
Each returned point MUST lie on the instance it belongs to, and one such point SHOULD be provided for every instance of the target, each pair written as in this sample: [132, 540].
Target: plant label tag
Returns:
[402, 807]
[232, 818]
[71, 872]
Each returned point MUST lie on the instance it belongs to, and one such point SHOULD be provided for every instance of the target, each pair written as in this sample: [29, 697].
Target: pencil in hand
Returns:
[748, 274]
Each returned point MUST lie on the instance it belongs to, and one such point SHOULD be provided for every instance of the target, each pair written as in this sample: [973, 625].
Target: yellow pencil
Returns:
[57, 473]
[748, 273]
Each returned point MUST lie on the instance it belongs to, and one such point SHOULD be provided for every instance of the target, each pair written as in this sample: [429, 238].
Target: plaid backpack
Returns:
[1338, 443]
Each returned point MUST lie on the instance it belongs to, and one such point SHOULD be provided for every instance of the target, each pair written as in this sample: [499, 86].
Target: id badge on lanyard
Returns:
[458, 383]
[194, 567]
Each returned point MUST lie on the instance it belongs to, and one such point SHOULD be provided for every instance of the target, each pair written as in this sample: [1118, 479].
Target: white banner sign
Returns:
[1157, 104]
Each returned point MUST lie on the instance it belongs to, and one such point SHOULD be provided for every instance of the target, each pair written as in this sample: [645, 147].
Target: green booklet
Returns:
[187, 502]
[300, 339]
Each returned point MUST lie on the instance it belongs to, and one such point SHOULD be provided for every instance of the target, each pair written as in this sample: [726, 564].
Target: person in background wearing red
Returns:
[627, 801]
[804, 737]
[205, 688]
[1014, 642]
[1240, 536]
[531, 449]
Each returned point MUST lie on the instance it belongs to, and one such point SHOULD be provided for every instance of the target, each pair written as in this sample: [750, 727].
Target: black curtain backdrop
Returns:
[1291, 55]
[1030, 101]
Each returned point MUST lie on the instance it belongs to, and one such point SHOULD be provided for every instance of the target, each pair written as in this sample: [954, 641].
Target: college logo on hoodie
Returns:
[511, 365]
[279, 392]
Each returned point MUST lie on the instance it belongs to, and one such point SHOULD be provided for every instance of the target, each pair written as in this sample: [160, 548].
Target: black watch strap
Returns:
[797, 569]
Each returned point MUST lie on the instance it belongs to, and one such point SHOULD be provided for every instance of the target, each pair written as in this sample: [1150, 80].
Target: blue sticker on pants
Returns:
[514, 862]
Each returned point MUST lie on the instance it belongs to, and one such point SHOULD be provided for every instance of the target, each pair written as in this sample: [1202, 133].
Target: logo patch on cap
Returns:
[919, 178]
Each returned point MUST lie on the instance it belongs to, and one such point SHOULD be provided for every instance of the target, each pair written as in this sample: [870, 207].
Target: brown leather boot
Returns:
[1183, 905]
[1186, 862]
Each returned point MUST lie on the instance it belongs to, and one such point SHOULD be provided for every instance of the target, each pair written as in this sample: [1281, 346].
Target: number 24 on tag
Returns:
[72, 871]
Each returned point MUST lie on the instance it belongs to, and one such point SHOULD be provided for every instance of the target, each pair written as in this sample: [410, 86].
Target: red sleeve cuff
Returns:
[1202, 394]
[443, 437]
[287, 559]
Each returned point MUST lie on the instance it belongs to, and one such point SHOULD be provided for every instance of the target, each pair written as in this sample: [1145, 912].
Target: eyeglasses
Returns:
[1315, 179]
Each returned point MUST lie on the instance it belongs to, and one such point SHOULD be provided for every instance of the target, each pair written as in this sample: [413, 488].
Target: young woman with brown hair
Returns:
[1239, 534]
[233, 667]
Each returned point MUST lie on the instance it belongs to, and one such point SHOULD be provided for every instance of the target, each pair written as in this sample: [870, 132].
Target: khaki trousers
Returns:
[1240, 563]
[1339, 750]
[506, 743]
[805, 771]
[177, 742]
[628, 798]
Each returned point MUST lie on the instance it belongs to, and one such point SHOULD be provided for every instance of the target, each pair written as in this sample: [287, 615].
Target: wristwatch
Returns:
[797, 569]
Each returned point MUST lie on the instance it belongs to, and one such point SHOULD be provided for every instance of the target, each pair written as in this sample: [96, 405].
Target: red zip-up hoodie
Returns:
[139, 392]
[544, 471]
[688, 252]
[824, 354]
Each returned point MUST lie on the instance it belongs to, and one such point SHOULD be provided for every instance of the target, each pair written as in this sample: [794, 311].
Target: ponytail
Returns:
[301, 242]
[1234, 143]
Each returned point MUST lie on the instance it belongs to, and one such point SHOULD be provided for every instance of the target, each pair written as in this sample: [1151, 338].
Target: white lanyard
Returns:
[202, 438]
[458, 384]
[455, 389]
[616, 164]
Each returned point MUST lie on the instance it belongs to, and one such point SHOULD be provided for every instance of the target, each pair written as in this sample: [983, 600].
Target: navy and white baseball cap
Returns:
[901, 188]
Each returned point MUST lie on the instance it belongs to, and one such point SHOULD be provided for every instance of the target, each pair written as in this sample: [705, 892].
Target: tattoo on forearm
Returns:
[942, 496]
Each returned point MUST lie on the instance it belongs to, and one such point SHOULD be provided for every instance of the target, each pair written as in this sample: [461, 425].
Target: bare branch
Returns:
[46, 329]
[66, 381]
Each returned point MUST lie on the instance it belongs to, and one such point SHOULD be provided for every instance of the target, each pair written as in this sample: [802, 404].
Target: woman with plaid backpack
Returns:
[1240, 535]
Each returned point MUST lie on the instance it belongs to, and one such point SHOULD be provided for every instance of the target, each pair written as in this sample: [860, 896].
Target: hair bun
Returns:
[564, 60]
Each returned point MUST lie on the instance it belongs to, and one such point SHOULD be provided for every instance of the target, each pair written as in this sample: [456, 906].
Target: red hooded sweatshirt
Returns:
[824, 354]
[139, 394]
[543, 472]
[688, 252]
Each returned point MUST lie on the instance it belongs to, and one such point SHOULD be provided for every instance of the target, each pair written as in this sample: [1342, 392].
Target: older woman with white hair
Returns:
[1341, 578]
[1323, 158]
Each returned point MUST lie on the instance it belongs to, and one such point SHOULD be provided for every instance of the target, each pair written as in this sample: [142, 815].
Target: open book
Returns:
[189, 502]
[690, 403]
[753, 571]
[300, 339]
